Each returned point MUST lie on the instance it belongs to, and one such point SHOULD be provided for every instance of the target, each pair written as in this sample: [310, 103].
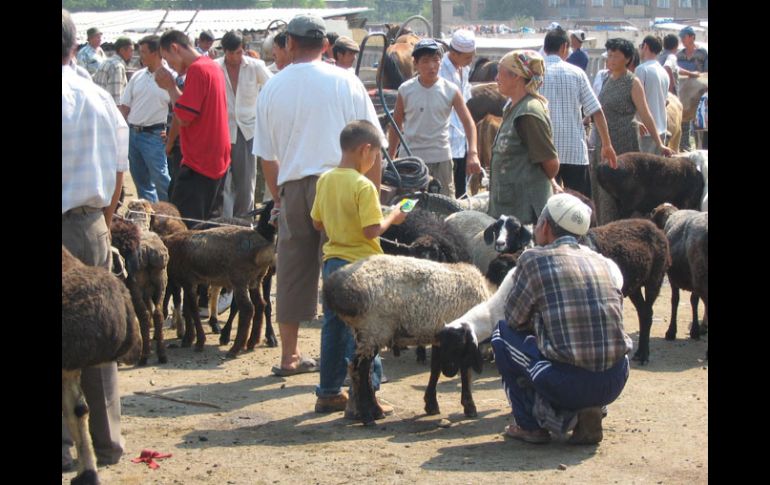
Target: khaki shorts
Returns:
[299, 253]
[444, 173]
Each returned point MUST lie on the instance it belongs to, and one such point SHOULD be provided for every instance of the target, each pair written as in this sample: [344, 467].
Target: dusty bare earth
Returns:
[267, 433]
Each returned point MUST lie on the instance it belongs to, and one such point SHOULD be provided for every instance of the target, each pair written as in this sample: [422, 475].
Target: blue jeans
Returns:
[147, 162]
[564, 386]
[338, 346]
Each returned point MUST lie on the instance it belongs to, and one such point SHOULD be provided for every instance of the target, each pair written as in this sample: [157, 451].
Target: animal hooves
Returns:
[432, 411]
[471, 412]
[641, 358]
[142, 362]
[162, 359]
[223, 340]
[272, 342]
[231, 355]
[215, 327]
[670, 336]
[88, 477]
[199, 348]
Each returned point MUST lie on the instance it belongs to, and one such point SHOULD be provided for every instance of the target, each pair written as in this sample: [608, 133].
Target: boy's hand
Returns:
[398, 216]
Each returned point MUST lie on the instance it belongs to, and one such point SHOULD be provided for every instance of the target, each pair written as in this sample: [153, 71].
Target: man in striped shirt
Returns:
[570, 98]
[561, 349]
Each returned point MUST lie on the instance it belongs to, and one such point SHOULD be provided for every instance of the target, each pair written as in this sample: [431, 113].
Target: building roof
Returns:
[135, 24]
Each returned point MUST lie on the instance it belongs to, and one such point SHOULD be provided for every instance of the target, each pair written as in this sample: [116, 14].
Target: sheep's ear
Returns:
[523, 238]
[489, 232]
[472, 352]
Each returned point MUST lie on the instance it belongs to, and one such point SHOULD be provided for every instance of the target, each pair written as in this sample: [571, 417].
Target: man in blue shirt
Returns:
[578, 57]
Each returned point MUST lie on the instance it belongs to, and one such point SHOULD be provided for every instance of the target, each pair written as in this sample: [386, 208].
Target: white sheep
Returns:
[399, 300]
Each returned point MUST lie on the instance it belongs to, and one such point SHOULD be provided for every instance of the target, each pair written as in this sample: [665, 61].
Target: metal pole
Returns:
[437, 18]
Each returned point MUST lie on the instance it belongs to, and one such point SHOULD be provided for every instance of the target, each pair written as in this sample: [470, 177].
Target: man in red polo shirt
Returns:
[202, 114]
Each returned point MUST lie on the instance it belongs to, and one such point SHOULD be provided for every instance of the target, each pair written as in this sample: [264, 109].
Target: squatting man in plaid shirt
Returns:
[562, 350]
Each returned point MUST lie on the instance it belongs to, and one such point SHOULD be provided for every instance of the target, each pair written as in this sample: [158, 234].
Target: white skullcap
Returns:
[579, 35]
[569, 213]
[553, 26]
[463, 41]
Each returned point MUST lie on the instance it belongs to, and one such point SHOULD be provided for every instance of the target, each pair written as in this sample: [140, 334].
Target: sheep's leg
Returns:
[644, 312]
[245, 314]
[267, 285]
[160, 345]
[466, 397]
[75, 412]
[704, 326]
[694, 328]
[421, 355]
[191, 317]
[431, 403]
[367, 402]
[671, 332]
[224, 335]
[259, 309]
[144, 325]
[214, 292]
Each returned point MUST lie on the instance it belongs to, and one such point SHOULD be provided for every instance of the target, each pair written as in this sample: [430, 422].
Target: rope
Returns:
[468, 196]
[186, 219]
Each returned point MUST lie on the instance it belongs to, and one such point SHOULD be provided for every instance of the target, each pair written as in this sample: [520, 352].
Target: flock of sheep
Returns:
[442, 281]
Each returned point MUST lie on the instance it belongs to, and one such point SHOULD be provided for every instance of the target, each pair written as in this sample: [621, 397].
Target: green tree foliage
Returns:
[506, 9]
[299, 4]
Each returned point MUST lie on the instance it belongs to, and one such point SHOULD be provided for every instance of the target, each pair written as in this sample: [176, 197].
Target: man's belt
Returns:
[147, 129]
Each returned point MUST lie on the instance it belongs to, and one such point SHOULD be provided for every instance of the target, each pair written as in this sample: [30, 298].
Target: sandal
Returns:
[305, 366]
[539, 436]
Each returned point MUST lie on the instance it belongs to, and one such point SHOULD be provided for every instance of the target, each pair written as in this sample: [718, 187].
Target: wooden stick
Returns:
[183, 401]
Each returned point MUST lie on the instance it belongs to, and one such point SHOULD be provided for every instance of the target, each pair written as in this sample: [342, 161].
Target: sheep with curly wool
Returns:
[397, 300]
[688, 237]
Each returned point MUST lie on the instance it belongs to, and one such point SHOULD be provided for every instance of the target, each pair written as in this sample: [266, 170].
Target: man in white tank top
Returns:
[423, 107]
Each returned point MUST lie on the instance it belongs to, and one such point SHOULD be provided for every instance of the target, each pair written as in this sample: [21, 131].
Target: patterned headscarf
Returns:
[529, 65]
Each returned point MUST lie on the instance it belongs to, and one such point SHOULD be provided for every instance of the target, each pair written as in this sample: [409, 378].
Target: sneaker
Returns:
[332, 403]
[224, 302]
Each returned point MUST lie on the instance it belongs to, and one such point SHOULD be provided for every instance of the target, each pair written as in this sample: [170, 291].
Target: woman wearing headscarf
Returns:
[524, 157]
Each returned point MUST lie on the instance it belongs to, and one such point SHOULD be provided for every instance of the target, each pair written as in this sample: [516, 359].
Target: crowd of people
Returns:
[212, 135]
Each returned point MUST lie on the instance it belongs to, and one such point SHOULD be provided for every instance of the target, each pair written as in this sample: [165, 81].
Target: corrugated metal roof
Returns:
[138, 23]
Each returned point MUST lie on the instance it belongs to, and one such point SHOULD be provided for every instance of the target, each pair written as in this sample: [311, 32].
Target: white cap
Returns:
[569, 213]
[463, 41]
[553, 26]
[579, 35]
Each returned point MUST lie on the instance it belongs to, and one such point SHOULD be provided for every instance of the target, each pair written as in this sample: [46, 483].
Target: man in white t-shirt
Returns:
[145, 107]
[655, 81]
[244, 77]
[301, 111]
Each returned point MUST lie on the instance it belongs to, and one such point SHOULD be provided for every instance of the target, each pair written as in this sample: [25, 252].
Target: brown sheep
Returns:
[98, 326]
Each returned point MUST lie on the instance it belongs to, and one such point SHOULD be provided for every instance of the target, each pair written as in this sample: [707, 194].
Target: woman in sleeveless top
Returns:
[524, 157]
[622, 97]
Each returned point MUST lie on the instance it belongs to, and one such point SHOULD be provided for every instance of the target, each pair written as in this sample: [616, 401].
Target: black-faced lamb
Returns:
[232, 257]
[688, 237]
[643, 181]
[98, 326]
[396, 300]
[146, 260]
[641, 252]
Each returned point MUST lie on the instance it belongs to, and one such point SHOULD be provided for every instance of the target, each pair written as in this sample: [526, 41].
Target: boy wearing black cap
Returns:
[423, 107]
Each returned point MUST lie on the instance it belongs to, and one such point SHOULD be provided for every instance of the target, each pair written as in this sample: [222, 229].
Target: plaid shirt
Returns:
[571, 297]
[90, 58]
[111, 76]
[94, 143]
[568, 90]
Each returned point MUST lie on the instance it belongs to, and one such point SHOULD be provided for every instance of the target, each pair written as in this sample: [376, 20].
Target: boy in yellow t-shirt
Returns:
[347, 207]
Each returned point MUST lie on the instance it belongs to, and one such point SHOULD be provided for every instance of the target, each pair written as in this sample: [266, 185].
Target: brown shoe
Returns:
[538, 436]
[332, 403]
[588, 430]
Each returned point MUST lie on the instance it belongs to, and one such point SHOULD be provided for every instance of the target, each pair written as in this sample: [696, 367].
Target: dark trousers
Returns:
[525, 371]
[195, 195]
[459, 176]
[174, 162]
[575, 177]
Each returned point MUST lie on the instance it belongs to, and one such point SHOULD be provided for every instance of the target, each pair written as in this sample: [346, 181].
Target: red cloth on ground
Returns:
[148, 456]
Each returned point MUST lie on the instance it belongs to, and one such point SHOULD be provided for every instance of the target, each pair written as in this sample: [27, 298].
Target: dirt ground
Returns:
[265, 430]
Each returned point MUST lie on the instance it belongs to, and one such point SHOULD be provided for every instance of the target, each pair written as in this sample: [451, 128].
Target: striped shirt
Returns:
[568, 90]
[94, 143]
[570, 296]
[111, 76]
